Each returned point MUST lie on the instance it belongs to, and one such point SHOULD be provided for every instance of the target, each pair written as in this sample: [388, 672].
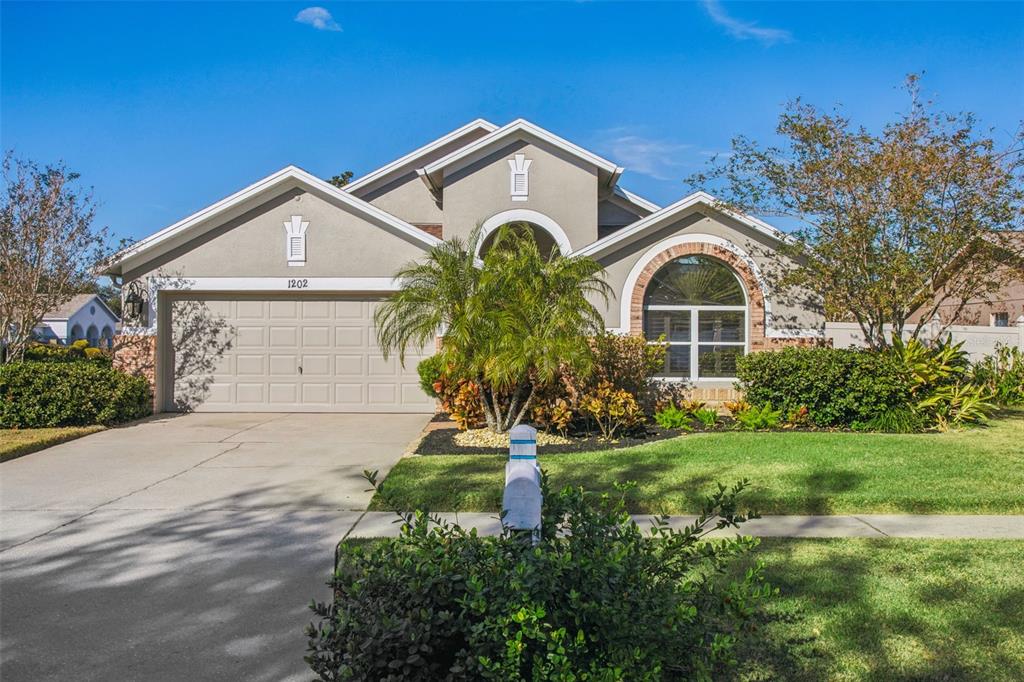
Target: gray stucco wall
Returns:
[793, 309]
[407, 198]
[561, 187]
[339, 243]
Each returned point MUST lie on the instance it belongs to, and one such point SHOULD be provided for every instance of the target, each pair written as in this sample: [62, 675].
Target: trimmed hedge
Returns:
[838, 386]
[41, 394]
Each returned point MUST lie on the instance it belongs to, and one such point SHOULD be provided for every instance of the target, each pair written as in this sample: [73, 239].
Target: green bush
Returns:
[896, 420]
[41, 394]
[596, 599]
[758, 418]
[1003, 374]
[942, 393]
[838, 386]
[672, 418]
[79, 351]
[431, 371]
[706, 416]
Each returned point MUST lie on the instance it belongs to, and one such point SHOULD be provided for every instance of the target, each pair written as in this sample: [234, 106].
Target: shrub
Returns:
[801, 416]
[838, 386]
[707, 417]
[956, 405]
[431, 371]
[596, 599]
[1002, 373]
[40, 394]
[627, 362]
[896, 420]
[612, 409]
[76, 352]
[757, 418]
[665, 394]
[672, 418]
[736, 406]
[692, 406]
[942, 393]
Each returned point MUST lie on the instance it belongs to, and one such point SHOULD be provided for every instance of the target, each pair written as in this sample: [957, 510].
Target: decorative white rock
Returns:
[522, 499]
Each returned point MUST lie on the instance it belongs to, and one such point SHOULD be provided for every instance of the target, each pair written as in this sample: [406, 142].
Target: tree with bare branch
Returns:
[49, 247]
[918, 216]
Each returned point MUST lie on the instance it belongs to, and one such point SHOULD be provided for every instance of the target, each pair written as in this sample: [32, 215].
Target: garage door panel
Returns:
[309, 353]
[284, 310]
[316, 337]
[283, 393]
[284, 337]
[350, 395]
[250, 337]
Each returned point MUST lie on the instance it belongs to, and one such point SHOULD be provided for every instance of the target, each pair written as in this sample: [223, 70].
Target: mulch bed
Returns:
[441, 442]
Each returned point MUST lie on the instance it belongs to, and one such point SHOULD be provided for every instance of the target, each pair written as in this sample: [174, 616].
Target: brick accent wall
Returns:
[714, 396]
[433, 229]
[137, 355]
[754, 295]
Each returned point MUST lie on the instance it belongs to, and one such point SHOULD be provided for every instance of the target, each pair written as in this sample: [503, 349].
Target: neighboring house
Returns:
[1000, 309]
[83, 316]
[295, 267]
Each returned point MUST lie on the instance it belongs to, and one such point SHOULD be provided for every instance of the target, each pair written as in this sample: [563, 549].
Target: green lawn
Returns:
[892, 610]
[18, 442]
[978, 471]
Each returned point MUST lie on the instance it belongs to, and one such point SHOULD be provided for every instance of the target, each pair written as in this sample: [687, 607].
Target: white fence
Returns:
[978, 341]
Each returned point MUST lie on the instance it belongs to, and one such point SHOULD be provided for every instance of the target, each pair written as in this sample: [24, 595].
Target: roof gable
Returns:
[664, 216]
[68, 309]
[290, 176]
[433, 173]
[471, 132]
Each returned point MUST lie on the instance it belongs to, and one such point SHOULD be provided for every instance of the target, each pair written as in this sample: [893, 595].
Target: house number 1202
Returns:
[298, 284]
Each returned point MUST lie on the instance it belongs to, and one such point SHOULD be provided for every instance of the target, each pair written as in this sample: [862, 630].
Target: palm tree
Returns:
[510, 323]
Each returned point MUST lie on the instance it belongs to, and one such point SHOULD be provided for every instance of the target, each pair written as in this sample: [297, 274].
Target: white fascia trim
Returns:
[422, 151]
[269, 285]
[636, 199]
[283, 175]
[528, 216]
[521, 125]
[653, 221]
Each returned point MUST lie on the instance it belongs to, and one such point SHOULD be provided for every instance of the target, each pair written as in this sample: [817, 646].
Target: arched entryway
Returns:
[548, 234]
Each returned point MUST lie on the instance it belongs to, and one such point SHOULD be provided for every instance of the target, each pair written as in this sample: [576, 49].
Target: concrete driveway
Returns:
[185, 546]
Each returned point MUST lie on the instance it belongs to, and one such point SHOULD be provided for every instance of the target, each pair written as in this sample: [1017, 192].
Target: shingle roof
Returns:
[68, 308]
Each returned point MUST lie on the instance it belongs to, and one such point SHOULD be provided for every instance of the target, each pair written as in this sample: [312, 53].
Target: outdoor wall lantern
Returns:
[135, 304]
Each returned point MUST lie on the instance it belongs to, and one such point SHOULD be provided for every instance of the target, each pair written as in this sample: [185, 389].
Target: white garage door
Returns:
[312, 354]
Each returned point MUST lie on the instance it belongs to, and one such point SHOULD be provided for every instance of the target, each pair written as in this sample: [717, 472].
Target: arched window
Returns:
[107, 336]
[93, 336]
[76, 333]
[699, 305]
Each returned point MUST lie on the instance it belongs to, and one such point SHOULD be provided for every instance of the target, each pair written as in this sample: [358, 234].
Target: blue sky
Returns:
[166, 108]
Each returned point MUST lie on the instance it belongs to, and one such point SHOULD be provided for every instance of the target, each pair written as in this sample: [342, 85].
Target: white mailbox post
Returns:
[522, 499]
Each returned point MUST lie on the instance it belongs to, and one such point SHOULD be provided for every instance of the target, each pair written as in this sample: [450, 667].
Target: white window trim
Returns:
[695, 343]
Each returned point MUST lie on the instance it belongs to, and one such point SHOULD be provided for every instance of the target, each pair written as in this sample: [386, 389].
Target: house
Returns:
[83, 316]
[1001, 308]
[285, 274]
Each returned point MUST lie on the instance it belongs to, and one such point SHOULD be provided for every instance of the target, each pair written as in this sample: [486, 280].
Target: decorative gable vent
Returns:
[295, 240]
[520, 178]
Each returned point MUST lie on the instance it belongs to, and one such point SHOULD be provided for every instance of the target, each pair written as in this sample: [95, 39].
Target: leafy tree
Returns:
[341, 179]
[48, 246]
[913, 218]
[510, 323]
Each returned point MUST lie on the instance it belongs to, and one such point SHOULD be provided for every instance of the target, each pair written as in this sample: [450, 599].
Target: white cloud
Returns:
[658, 158]
[319, 18]
[744, 30]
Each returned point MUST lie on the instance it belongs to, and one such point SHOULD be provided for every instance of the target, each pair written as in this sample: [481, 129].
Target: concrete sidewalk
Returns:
[382, 524]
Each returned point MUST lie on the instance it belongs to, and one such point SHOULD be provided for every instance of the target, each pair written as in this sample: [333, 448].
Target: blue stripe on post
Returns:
[523, 457]
[522, 442]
